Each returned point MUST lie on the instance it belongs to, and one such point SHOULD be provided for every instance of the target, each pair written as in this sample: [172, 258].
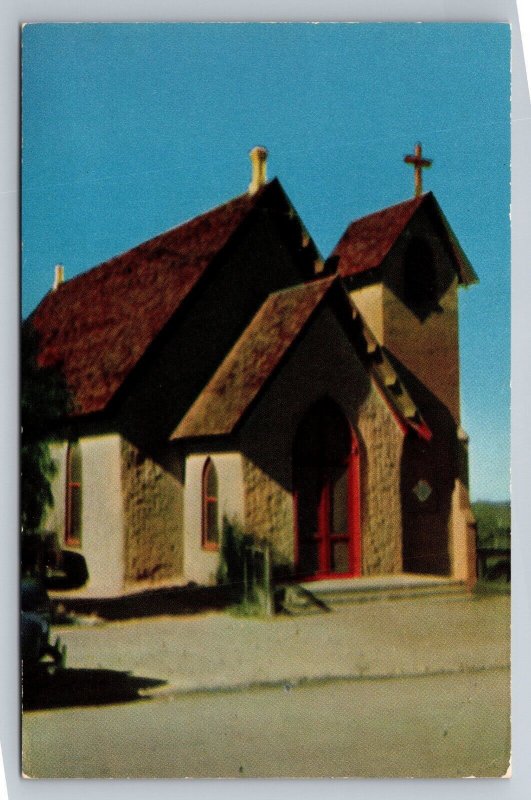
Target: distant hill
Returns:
[494, 520]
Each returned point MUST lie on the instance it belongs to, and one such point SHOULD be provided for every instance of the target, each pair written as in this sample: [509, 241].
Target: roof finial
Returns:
[258, 156]
[419, 163]
[59, 276]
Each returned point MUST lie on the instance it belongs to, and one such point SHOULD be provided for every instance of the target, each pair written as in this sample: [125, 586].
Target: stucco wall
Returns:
[463, 537]
[201, 565]
[323, 363]
[369, 301]
[153, 515]
[102, 512]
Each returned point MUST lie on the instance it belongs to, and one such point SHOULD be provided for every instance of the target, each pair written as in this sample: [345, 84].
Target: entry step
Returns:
[319, 596]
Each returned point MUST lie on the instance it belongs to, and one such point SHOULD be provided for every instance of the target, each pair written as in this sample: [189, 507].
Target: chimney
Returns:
[59, 276]
[258, 156]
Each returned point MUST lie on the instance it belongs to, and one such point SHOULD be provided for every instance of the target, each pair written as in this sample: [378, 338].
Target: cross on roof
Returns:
[419, 163]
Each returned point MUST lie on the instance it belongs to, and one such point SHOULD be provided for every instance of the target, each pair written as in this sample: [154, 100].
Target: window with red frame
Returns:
[210, 524]
[73, 495]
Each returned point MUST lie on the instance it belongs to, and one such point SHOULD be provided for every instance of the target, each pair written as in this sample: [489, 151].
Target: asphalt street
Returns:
[414, 687]
[445, 726]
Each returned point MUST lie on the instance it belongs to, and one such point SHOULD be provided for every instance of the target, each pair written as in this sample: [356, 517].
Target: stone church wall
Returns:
[323, 363]
[153, 514]
[269, 512]
[382, 442]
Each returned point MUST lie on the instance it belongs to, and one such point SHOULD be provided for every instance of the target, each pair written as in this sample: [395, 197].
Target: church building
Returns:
[225, 370]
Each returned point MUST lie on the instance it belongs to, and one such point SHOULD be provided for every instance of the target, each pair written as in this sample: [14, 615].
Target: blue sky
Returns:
[131, 129]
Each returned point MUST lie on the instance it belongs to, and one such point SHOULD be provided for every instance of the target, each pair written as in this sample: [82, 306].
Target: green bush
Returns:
[231, 570]
[494, 523]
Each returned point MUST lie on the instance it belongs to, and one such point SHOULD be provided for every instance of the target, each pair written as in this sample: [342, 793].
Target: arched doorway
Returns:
[326, 480]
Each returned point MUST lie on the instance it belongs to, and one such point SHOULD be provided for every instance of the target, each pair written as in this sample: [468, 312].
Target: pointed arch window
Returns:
[74, 492]
[210, 517]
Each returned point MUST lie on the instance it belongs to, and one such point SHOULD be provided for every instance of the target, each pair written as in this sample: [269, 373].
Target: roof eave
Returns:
[185, 431]
[465, 271]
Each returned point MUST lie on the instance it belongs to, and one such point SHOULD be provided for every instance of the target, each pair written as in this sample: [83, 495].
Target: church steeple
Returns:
[402, 266]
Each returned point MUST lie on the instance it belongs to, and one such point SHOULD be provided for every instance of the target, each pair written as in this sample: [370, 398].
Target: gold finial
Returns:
[59, 276]
[419, 164]
[258, 156]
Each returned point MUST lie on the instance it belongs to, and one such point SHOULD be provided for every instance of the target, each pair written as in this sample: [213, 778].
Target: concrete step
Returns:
[313, 597]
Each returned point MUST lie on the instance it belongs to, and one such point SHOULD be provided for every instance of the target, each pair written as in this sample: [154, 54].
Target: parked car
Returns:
[36, 651]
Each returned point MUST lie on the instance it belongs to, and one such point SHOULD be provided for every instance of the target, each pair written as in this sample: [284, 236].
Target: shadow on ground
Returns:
[83, 687]
[191, 599]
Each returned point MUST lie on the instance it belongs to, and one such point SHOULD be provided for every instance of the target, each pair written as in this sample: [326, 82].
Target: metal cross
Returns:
[419, 163]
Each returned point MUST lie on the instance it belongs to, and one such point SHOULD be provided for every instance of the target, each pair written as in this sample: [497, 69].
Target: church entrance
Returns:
[327, 495]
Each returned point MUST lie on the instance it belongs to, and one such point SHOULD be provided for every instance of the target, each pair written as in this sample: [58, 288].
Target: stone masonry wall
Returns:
[269, 512]
[153, 514]
[381, 441]
[323, 364]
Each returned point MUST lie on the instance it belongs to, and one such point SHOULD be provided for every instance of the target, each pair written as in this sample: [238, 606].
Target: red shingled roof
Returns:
[251, 361]
[98, 325]
[260, 349]
[368, 240]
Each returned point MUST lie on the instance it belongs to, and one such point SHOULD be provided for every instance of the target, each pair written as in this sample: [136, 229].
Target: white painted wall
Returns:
[201, 565]
[102, 532]
[103, 525]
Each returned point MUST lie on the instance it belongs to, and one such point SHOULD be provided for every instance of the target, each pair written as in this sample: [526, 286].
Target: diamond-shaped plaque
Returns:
[422, 490]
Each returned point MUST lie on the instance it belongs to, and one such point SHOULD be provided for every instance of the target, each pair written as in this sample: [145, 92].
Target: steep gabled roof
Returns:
[252, 360]
[260, 350]
[368, 240]
[96, 326]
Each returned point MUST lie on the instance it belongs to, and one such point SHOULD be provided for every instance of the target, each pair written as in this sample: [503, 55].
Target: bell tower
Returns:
[402, 267]
[419, 297]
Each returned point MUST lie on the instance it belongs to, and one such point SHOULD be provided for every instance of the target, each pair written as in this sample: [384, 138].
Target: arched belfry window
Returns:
[74, 494]
[420, 275]
[210, 517]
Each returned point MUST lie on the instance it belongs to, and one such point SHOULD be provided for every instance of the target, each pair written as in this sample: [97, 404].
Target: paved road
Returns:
[368, 694]
[376, 638]
[444, 726]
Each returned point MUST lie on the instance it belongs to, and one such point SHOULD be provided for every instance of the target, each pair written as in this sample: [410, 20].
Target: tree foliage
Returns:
[494, 521]
[44, 400]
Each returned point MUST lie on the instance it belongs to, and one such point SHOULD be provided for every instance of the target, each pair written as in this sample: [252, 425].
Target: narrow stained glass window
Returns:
[73, 511]
[210, 525]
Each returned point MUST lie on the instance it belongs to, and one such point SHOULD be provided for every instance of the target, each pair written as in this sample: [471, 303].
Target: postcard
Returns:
[265, 515]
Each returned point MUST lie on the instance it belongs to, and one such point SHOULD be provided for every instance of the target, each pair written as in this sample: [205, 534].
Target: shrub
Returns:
[231, 570]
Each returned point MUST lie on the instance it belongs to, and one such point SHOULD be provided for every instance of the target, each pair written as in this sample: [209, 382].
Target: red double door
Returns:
[327, 495]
